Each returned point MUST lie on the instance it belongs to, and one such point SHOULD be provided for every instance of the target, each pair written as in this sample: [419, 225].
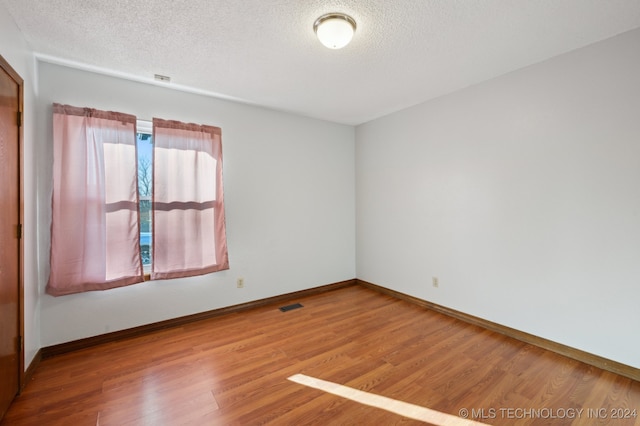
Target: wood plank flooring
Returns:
[233, 370]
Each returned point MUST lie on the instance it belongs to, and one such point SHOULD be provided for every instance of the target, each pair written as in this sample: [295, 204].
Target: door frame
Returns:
[20, 82]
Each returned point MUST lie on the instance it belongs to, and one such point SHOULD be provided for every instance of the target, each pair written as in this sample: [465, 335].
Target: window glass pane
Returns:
[145, 173]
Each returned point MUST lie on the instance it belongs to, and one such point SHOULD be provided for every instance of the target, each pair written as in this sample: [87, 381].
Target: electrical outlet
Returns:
[434, 281]
[240, 283]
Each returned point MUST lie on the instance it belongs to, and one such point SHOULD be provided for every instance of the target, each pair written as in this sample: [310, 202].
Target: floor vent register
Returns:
[291, 307]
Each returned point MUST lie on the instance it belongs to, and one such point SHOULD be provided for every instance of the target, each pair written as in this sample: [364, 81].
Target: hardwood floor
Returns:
[233, 370]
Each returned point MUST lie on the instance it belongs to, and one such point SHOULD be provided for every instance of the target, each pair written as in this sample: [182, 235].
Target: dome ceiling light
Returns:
[335, 30]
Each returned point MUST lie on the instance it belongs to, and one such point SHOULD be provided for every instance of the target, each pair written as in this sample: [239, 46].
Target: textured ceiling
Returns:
[265, 52]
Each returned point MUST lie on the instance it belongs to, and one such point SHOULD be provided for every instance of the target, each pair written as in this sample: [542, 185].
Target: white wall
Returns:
[289, 192]
[521, 194]
[15, 50]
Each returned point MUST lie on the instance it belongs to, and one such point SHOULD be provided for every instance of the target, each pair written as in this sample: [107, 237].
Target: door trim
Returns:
[20, 82]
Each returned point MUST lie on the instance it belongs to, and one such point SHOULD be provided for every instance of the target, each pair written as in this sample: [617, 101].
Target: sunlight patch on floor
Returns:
[405, 409]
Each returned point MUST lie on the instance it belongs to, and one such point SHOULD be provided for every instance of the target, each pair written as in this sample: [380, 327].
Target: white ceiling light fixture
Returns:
[335, 30]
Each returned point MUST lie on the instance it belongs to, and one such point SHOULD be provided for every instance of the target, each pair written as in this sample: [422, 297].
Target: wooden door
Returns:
[11, 361]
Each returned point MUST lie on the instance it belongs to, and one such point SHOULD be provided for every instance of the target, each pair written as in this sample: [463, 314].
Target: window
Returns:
[129, 202]
[144, 145]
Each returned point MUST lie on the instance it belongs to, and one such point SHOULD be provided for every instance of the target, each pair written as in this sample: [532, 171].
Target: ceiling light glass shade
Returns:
[335, 30]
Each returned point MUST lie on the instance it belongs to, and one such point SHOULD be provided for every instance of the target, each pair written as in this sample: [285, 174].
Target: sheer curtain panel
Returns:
[95, 235]
[189, 236]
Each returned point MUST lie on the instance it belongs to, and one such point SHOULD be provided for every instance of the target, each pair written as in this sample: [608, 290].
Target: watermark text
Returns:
[514, 413]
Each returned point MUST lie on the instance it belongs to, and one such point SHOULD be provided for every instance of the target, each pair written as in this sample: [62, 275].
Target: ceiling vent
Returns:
[163, 78]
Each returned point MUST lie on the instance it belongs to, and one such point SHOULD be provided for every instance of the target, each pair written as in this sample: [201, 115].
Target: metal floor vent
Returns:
[290, 307]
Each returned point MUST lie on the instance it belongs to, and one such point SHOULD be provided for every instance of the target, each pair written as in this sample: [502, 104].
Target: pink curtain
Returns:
[95, 236]
[189, 236]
